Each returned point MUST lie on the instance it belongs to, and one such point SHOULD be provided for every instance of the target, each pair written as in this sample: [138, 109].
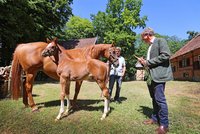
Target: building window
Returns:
[180, 64]
[187, 62]
[184, 62]
[196, 64]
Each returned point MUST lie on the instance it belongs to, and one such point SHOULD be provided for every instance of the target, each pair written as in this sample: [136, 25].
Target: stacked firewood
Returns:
[4, 77]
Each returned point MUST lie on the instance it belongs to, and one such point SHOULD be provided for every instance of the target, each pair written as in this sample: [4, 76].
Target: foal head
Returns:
[51, 49]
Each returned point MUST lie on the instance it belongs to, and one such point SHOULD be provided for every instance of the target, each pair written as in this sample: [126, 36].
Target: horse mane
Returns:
[64, 51]
[95, 51]
[92, 51]
[86, 52]
[99, 50]
[61, 47]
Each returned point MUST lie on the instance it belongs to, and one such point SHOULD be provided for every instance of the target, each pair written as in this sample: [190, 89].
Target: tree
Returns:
[140, 47]
[191, 35]
[174, 43]
[117, 24]
[32, 20]
[77, 28]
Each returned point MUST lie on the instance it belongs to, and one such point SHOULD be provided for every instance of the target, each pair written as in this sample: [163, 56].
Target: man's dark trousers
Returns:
[160, 108]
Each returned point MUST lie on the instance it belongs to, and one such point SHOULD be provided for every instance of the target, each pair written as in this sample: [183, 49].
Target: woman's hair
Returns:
[118, 48]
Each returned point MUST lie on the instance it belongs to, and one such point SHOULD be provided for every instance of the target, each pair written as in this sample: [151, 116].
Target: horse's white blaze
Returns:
[49, 45]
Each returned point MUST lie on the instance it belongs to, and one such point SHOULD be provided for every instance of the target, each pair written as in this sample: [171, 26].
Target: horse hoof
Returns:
[102, 118]
[35, 110]
[56, 120]
[65, 114]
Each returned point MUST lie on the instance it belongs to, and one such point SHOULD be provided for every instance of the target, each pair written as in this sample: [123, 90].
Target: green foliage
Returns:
[141, 47]
[174, 43]
[32, 20]
[117, 25]
[77, 28]
[191, 34]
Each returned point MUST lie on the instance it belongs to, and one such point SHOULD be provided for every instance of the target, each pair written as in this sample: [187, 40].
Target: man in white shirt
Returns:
[116, 74]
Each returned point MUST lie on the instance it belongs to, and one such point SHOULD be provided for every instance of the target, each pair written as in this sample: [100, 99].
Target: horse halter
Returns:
[50, 51]
[113, 58]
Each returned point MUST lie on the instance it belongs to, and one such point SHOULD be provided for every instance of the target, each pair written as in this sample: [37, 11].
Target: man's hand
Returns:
[142, 61]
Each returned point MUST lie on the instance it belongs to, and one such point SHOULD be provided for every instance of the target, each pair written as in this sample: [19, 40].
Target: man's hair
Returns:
[148, 31]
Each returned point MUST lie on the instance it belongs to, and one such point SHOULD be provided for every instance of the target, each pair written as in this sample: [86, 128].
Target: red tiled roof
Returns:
[78, 43]
[190, 46]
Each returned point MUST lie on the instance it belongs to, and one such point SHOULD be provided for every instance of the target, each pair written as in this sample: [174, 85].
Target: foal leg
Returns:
[106, 95]
[62, 97]
[77, 90]
[68, 98]
[62, 105]
[106, 108]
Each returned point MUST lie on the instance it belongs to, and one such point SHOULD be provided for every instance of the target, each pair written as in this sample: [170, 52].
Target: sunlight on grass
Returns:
[183, 101]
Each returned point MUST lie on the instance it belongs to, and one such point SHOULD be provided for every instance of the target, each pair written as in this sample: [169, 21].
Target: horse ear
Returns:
[48, 40]
[113, 43]
[56, 40]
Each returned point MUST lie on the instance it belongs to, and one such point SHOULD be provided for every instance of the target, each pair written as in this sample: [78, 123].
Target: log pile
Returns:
[4, 78]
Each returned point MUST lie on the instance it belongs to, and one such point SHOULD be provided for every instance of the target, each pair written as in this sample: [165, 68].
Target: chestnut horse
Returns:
[28, 57]
[77, 70]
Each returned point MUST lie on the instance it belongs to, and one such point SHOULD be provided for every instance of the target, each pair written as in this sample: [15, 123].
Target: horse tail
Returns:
[16, 77]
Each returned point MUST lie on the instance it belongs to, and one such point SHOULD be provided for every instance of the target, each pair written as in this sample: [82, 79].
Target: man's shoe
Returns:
[162, 130]
[149, 122]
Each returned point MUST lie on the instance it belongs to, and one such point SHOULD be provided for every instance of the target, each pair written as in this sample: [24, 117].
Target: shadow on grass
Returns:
[146, 111]
[82, 105]
[121, 99]
[35, 95]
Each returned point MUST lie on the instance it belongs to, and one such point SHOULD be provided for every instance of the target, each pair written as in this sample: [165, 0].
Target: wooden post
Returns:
[9, 83]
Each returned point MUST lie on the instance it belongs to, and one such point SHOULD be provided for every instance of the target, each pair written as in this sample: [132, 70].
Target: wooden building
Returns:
[140, 71]
[186, 61]
[78, 43]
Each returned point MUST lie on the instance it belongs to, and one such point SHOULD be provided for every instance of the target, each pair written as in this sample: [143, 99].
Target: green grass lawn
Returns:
[126, 118]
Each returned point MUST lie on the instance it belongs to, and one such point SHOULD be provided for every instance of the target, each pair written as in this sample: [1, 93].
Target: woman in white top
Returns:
[116, 74]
